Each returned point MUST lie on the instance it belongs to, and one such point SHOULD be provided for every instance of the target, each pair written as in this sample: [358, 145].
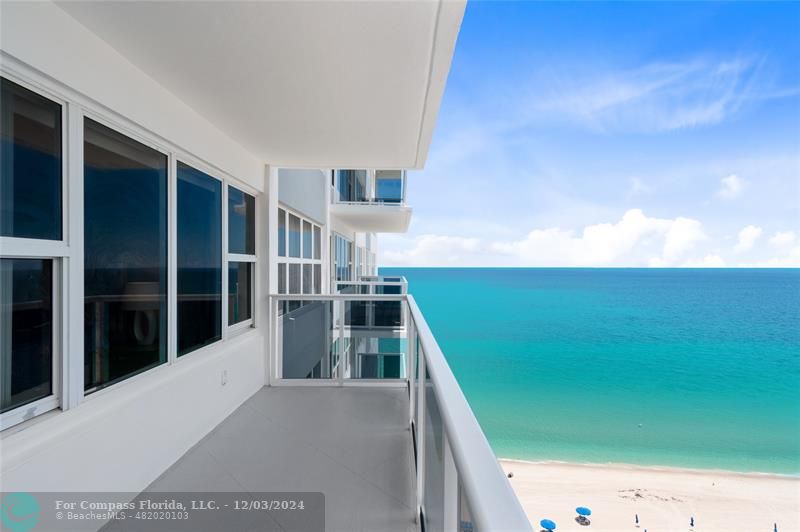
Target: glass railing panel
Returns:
[376, 355]
[433, 499]
[307, 340]
[389, 186]
[465, 523]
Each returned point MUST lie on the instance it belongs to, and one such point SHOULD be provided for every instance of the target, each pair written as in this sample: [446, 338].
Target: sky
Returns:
[613, 135]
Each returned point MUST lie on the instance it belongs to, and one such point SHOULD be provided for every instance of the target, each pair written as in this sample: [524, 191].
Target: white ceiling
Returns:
[307, 83]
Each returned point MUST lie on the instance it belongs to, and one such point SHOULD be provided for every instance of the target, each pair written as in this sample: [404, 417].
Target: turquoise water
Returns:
[687, 368]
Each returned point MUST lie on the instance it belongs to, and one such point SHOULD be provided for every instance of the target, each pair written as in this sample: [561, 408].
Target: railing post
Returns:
[451, 492]
[411, 338]
[342, 349]
[420, 431]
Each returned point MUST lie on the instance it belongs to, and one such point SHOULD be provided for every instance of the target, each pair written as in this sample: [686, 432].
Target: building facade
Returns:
[172, 175]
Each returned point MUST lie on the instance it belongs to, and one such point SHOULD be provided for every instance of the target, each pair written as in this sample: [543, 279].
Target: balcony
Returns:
[383, 404]
[371, 200]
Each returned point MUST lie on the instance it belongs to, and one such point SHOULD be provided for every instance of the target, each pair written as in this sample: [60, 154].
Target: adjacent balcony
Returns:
[364, 381]
[371, 201]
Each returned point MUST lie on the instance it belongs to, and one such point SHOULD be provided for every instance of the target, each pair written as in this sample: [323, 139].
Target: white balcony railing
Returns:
[384, 340]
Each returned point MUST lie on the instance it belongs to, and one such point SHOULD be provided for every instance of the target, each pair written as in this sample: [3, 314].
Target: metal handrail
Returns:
[338, 297]
[493, 503]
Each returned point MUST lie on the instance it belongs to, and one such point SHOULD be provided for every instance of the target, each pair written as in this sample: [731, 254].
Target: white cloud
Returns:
[709, 261]
[434, 250]
[658, 96]
[782, 239]
[730, 187]
[790, 259]
[634, 240]
[747, 238]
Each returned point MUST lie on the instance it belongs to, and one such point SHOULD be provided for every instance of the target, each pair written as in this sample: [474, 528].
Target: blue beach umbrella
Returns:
[584, 511]
[547, 524]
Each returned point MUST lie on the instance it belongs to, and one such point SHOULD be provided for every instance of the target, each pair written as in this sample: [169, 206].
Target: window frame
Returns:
[67, 254]
[56, 251]
[281, 259]
[229, 257]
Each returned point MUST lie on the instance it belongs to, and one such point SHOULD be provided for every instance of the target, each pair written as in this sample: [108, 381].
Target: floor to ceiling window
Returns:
[125, 256]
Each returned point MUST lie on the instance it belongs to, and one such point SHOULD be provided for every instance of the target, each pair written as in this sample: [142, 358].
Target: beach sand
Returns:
[664, 498]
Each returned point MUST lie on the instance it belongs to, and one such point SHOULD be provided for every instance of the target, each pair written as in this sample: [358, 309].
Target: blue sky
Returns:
[620, 134]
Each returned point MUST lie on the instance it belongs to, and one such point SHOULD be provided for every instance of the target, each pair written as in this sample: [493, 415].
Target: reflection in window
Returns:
[294, 236]
[307, 242]
[240, 292]
[317, 278]
[199, 259]
[308, 279]
[317, 243]
[282, 278]
[281, 233]
[389, 186]
[352, 185]
[294, 278]
[26, 331]
[125, 256]
[30, 164]
[241, 222]
[342, 258]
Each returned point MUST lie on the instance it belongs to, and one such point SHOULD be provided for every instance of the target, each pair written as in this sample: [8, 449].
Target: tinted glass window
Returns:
[125, 262]
[281, 233]
[199, 259]
[30, 164]
[317, 279]
[308, 279]
[308, 243]
[317, 243]
[294, 236]
[282, 278]
[239, 292]
[241, 222]
[294, 278]
[27, 331]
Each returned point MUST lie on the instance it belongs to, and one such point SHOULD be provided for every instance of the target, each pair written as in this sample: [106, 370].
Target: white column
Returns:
[268, 260]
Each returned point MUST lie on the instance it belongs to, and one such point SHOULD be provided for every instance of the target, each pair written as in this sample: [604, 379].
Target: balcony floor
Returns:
[352, 444]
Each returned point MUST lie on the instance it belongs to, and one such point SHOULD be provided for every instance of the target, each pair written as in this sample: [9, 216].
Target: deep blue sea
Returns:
[675, 367]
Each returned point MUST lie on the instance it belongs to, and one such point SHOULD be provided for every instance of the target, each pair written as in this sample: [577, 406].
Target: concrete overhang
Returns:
[373, 218]
[298, 84]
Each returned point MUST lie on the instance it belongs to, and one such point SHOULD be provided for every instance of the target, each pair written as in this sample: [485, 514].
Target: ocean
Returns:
[695, 368]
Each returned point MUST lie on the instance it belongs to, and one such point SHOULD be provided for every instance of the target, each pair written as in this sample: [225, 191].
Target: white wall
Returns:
[304, 191]
[123, 438]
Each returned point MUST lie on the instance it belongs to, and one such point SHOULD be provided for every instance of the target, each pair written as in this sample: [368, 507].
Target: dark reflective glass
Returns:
[308, 244]
[241, 222]
[199, 259]
[281, 233]
[240, 292]
[125, 259]
[352, 185]
[30, 164]
[27, 331]
[294, 236]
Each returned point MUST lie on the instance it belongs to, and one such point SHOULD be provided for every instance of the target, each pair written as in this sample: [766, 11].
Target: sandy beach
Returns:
[664, 498]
